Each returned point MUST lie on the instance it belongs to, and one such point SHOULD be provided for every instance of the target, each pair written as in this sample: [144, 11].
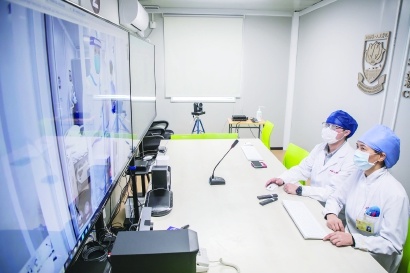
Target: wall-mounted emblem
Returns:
[407, 80]
[406, 93]
[95, 4]
[373, 62]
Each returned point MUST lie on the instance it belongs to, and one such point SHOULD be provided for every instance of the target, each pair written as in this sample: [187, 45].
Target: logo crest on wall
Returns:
[407, 80]
[95, 4]
[374, 59]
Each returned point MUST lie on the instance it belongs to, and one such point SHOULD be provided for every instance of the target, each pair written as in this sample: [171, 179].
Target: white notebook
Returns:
[307, 224]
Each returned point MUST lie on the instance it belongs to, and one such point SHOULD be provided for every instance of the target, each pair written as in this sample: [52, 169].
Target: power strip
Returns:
[145, 219]
[129, 206]
[202, 261]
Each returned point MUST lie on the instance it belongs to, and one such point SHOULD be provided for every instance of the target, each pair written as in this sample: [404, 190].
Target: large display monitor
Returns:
[66, 126]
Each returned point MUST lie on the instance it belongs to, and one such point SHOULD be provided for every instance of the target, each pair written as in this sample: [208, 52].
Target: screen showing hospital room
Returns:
[65, 115]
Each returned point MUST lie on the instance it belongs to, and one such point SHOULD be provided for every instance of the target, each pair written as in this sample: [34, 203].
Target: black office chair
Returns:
[149, 145]
[160, 127]
[157, 132]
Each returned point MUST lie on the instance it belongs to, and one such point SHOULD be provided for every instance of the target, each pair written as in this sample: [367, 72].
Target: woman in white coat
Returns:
[376, 204]
[327, 165]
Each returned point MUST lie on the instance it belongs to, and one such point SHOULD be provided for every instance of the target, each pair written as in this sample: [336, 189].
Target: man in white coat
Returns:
[328, 165]
[376, 204]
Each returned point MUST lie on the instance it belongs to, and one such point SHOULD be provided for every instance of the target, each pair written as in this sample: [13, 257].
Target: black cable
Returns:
[236, 127]
[250, 129]
[91, 248]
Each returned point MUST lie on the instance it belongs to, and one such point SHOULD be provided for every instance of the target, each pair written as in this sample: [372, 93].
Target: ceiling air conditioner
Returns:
[133, 15]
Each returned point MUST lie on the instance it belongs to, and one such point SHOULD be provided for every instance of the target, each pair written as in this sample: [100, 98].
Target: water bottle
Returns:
[259, 114]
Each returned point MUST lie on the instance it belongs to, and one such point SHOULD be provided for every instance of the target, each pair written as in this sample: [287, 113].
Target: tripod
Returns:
[198, 127]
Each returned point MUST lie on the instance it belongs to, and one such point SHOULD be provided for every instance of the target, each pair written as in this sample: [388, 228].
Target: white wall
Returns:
[329, 58]
[265, 69]
[397, 107]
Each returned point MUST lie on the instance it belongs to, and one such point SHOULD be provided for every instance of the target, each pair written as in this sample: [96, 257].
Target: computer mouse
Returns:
[271, 187]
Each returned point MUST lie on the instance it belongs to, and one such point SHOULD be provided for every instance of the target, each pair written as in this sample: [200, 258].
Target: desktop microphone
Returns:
[215, 180]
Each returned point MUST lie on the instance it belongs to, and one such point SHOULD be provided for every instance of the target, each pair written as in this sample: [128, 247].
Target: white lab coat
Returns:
[379, 189]
[324, 178]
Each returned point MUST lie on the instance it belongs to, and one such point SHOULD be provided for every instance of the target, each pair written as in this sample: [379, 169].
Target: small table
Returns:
[239, 124]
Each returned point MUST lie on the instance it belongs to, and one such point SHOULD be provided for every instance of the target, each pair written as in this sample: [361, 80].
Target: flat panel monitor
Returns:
[66, 129]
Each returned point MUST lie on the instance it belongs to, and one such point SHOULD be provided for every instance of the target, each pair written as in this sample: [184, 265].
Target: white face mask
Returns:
[329, 135]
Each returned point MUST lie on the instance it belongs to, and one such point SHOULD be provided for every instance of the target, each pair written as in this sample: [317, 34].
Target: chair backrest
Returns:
[205, 136]
[159, 124]
[405, 260]
[159, 127]
[266, 132]
[293, 155]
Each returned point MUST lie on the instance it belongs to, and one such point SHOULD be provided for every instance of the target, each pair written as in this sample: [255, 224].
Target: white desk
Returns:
[232, 225]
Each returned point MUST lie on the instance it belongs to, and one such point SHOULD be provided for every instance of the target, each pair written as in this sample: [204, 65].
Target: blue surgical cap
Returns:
[382, 139]
[343, 120]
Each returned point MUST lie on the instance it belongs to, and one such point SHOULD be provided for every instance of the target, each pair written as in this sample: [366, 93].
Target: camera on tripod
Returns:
[198, 109]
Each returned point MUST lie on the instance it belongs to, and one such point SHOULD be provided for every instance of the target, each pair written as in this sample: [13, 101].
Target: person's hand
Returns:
[339, 238]
[334, 223]
[290, 188]
[277, 181]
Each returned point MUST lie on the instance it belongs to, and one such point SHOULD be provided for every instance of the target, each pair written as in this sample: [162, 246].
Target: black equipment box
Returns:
[239, 118]
[141, 166]
[157, 251]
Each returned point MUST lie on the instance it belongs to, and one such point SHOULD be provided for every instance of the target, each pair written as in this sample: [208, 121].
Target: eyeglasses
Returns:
[331, 126]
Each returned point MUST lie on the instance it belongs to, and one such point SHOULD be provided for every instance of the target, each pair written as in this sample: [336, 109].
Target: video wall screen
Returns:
[66, 127]
[90, 94]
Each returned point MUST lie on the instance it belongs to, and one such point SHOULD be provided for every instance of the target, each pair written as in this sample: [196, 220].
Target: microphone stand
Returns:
[216, 180]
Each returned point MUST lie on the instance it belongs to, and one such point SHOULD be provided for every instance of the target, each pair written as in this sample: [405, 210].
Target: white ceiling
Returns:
[260, 5]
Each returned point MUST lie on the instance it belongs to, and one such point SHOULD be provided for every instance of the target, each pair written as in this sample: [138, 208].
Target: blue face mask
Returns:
[361, 160]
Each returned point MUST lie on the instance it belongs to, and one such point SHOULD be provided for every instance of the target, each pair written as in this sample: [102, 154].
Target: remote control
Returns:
[274, 195]
[267, 201]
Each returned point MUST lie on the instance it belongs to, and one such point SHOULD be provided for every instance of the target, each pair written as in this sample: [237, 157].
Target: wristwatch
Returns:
[299, 191]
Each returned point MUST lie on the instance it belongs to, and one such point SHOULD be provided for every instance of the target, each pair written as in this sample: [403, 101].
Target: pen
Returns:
[185, 227]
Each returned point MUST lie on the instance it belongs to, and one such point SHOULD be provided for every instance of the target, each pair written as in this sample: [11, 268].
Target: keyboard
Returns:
[251, 153]
[307, 224]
